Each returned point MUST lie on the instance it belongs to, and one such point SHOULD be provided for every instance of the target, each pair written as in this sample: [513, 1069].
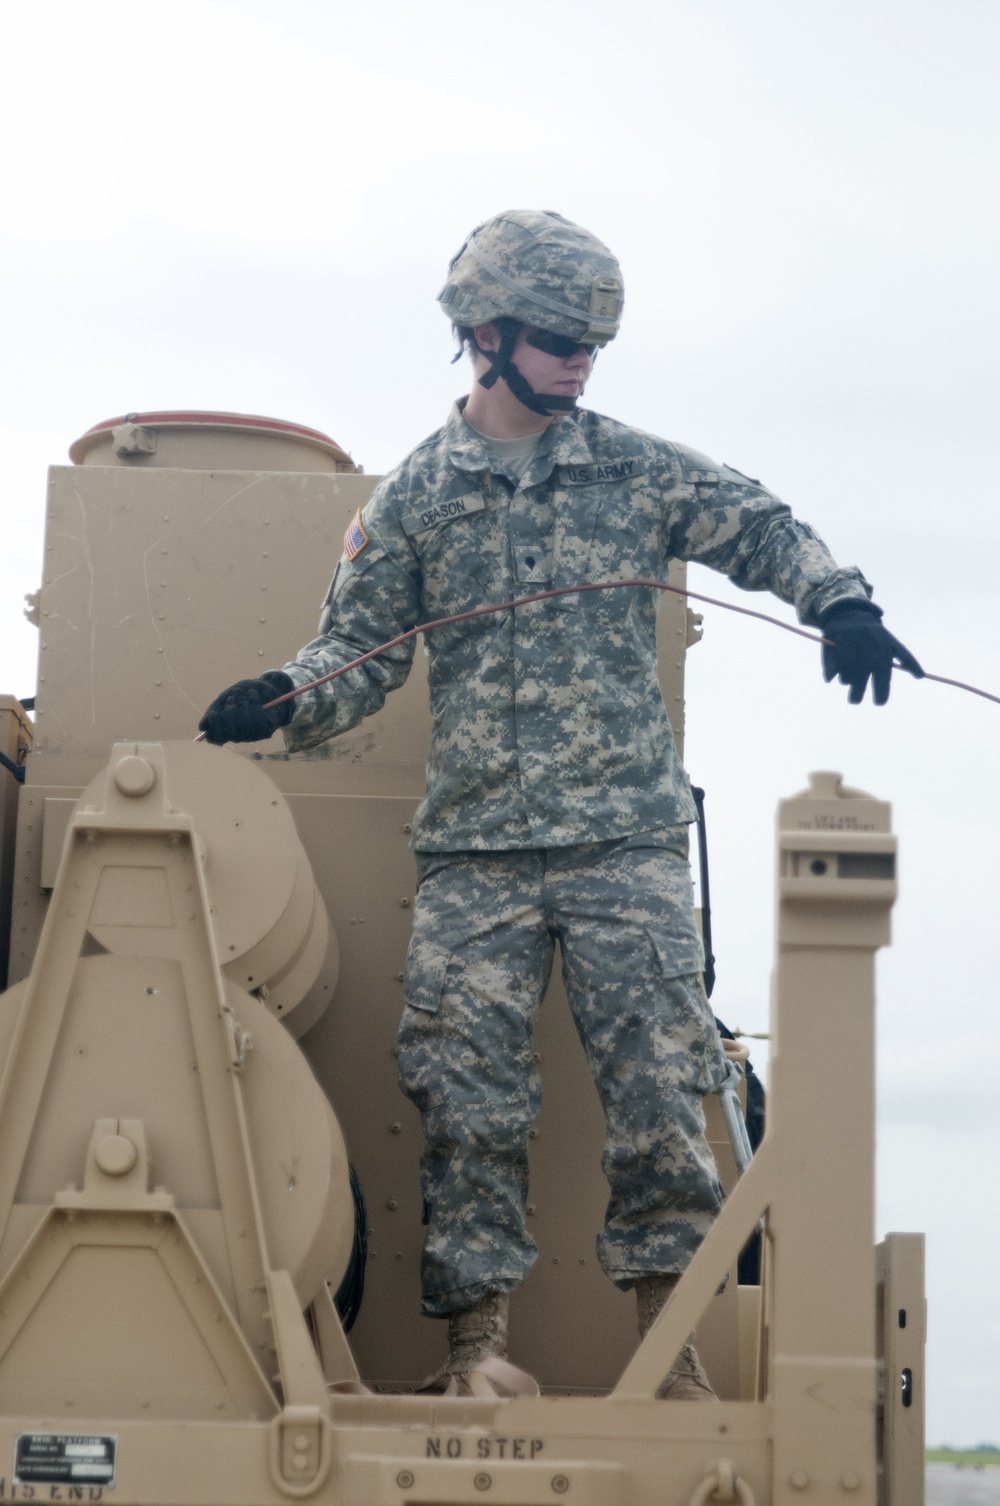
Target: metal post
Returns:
[836, 887]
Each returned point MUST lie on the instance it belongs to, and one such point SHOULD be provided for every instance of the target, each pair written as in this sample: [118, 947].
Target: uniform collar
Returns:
[562, 444]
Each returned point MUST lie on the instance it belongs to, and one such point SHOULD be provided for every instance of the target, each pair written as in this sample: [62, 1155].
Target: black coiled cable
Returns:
[351, 1290]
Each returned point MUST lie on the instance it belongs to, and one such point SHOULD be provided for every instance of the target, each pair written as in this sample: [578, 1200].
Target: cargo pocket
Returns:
[424, 975]
[685, 1039]
[678, 954]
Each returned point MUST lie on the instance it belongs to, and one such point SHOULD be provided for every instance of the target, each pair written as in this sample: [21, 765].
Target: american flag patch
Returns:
[355, 539]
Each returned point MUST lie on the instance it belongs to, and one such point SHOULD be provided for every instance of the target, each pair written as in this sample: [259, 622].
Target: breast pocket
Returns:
[462, 549]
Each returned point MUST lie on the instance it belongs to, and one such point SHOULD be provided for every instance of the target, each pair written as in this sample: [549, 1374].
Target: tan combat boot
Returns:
[685, 1380]
[476, 1364]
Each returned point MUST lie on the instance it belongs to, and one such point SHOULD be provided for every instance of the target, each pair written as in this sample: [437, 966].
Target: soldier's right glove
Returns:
[238, 715]
[862, 649]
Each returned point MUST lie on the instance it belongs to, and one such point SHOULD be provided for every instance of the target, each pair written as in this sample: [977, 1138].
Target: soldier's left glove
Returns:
[862, 650]
[238, 715]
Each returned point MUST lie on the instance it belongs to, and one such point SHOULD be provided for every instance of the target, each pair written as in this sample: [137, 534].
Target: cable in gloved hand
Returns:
[862, 649]
[238, 714]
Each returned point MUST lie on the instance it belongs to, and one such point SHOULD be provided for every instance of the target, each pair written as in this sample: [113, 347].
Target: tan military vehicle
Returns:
[204, 951]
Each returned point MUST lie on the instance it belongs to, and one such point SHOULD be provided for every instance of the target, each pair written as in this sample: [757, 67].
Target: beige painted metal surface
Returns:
[149, 1274]
[160, 586]
[173, 1187]
[902, 1329]
[215, 441]
[114, 1269]
[15, 740]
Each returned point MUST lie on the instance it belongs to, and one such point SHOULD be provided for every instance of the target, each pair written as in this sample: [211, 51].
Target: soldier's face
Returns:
[544, 373]
[565, 376]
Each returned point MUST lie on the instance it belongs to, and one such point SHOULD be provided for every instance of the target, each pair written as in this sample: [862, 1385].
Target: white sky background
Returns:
[250, 206]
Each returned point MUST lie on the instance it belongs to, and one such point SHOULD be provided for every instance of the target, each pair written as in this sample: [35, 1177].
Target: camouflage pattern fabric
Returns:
[540, 268]
[479, 962]
[548, 727]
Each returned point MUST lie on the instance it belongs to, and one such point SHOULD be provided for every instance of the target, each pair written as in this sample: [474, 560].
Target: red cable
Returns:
[604, 585]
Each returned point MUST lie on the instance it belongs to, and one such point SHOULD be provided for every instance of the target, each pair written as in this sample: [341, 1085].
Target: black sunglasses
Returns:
[557, 345]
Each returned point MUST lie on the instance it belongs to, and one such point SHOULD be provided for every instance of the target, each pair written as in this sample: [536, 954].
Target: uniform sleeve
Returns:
[731, 523]
[374, 597]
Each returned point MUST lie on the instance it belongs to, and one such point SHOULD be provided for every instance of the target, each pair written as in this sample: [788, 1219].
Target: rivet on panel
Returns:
[850, 1481]
[560, 1484]
[404, 1479]
[395, 1127]
[798, 1479]
[483, 1481]
[404, 903]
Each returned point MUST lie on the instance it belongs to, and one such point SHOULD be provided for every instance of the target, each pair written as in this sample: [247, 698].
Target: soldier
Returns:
[556, 805]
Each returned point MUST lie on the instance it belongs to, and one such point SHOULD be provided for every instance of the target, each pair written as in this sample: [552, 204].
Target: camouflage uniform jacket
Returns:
[548, 727]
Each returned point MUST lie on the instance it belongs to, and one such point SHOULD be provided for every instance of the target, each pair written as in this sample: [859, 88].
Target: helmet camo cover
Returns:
[539, 268]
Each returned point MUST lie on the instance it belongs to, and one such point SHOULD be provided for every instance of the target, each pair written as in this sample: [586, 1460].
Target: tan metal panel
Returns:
[162, 586]
[15, 740]
[902, 1318]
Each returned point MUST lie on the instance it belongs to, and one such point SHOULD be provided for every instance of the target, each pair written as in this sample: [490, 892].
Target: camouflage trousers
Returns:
[485, 927]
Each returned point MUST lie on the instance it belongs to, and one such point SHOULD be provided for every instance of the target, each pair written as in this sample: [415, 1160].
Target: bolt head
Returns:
[134, 776]
[116, 1155]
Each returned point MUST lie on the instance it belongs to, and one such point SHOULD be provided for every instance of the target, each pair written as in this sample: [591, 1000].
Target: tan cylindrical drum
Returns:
[271, 929]
[194, 441]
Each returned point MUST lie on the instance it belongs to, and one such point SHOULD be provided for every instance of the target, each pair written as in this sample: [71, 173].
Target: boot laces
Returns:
[477, 1333]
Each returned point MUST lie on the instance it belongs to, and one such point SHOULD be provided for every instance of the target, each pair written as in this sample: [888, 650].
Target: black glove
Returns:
[861, 649]
[238, 715]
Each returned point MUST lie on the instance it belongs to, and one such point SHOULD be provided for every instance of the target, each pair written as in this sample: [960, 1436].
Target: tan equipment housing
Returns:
[205, 957]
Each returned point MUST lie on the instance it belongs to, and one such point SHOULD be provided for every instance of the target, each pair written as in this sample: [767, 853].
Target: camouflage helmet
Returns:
[541, 269]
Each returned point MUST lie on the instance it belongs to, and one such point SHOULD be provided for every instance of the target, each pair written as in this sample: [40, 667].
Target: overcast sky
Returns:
[250, 206]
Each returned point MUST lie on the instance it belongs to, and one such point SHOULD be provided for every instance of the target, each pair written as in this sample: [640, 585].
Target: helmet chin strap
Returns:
[502, 365]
